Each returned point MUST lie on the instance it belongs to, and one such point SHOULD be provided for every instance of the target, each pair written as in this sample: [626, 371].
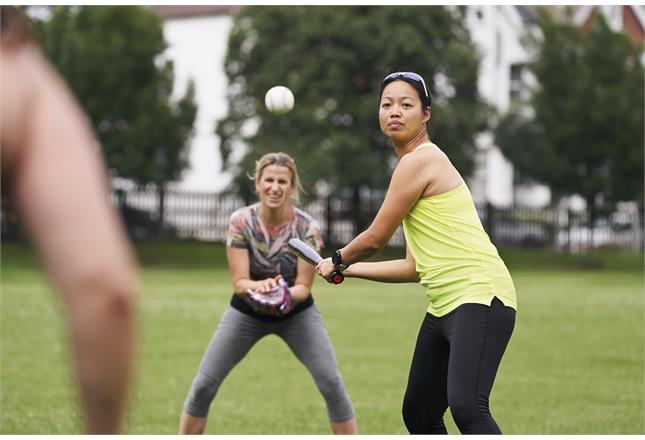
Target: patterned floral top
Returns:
[268, 250]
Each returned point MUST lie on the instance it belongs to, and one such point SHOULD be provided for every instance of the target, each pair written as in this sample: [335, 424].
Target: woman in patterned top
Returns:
[257, 253]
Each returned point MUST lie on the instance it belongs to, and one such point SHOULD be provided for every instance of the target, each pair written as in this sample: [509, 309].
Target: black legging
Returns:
[454, 365]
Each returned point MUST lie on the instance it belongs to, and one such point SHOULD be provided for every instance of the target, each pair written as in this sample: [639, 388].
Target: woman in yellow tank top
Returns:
[472, 302]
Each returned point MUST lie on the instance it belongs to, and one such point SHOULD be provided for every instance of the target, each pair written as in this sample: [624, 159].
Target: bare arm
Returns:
[393, 271]
[239, 267]
[58, 181]
[304, 280]
[406, 186]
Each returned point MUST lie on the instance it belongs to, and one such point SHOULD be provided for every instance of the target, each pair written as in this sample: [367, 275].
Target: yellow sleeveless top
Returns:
[455, 259]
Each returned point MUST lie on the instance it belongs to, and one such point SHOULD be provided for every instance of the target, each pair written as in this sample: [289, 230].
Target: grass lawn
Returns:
[574, 364]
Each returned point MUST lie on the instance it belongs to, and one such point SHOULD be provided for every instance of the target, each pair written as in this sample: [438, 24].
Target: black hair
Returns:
[415, 84]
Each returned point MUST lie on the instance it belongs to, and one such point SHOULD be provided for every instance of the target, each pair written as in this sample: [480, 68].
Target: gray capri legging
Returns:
[304, 333]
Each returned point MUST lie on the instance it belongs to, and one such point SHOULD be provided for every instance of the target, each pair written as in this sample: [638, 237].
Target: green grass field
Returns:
[574, 364]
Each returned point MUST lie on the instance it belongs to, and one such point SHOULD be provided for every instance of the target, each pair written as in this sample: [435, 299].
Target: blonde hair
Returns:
[283, 160]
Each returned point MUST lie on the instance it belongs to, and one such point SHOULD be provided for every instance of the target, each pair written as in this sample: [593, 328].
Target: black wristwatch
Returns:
[338, 261]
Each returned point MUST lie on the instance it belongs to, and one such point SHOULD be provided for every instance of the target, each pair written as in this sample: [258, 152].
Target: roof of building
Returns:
[527, 14]
[627, 18]
[584, 13]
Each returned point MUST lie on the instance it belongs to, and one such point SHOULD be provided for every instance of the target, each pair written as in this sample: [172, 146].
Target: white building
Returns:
[497, 31]
[197, 38]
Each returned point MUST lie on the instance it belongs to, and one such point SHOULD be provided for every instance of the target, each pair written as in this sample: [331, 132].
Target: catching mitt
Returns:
[275, 302]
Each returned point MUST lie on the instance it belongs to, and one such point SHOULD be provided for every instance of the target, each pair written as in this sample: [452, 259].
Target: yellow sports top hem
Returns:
[486, 301]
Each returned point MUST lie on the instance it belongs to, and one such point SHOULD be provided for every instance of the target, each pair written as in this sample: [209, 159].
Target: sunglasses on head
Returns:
[411, 76]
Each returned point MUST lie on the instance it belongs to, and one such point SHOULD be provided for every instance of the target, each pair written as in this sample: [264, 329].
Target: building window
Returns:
[517, 84]
[479, 14]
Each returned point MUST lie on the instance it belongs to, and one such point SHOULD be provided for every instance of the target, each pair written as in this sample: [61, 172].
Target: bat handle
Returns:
[337, 277]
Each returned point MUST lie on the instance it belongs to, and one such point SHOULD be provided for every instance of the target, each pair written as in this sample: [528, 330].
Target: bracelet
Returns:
[337, 260]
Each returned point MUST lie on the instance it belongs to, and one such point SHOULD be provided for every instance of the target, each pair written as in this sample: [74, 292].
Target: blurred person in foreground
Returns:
[54, 175]
[259, 262]
[472, 301]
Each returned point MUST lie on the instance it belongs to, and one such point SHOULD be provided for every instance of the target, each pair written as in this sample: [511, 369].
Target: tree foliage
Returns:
[586, 134]
[333, 59]
[111, 59]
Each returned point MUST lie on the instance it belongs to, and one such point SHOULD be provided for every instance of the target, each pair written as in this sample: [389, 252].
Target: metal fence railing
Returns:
[205, 216]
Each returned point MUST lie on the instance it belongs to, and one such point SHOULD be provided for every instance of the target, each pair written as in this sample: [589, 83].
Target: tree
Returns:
[585, 133]
[333, 59]
[111, 58]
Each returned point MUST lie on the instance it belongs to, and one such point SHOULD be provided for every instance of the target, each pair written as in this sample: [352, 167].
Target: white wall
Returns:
[496, 35]
[496, 31]
[197, 47]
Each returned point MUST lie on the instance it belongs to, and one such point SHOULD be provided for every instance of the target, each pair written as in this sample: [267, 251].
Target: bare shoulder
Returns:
[421, 157]
[427, 158]
[436, 153]
[16, 95]
[442, 175]
[29, 82]
[413, 167]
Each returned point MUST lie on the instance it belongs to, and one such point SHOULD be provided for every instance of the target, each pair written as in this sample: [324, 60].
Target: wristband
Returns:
[337, 260]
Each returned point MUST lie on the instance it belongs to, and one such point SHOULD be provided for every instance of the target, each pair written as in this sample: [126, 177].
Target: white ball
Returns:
[279, 100]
